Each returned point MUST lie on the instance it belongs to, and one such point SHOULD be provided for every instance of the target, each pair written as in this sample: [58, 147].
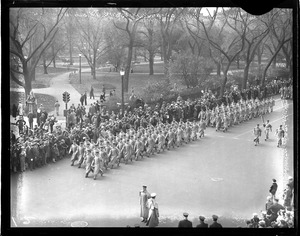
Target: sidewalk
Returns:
[58, 86]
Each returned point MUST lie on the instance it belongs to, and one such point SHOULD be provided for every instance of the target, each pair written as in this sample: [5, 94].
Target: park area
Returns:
[182, 72]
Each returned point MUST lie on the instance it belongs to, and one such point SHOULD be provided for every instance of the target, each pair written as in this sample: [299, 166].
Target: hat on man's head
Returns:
[201, 217]
[215, 217]
[144, 186]
[290, 177]
[185, 214]
[153, 194]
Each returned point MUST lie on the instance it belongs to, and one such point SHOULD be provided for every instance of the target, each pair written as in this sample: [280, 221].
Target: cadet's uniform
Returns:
[113, 155]
[268, 128]
[88, 161]
[74, 150]
[257, 134]
[98, 163]
[280, 135]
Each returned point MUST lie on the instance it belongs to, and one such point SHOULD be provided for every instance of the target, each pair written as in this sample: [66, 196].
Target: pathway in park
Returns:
[58, 86]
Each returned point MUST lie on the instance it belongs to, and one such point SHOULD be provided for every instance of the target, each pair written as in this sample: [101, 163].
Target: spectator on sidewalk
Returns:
[57, 105]
[185, 223]
[21, 123]
[92, 93]
[81, 99]
[30, 119]
[215, 224]
[255, 220]
[273, 188]
[274, 209]
[202, 223]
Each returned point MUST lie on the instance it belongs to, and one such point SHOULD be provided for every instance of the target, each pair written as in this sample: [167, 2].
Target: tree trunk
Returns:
[45, 66]
[223, 84]
[274, 63]
[246, 73]
[218, 68]
[27, 79]
[151, 63]
[128, 65]
[54, 57]
[93, 69]
[70, 52]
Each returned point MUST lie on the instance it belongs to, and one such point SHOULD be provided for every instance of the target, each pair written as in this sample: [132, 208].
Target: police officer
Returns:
[215, 224]
[202, 223]
[185, 223]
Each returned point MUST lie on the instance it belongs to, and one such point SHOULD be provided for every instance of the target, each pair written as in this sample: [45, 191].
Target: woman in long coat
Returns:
[153, 212]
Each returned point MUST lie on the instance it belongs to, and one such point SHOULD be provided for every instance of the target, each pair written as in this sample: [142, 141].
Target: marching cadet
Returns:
[218, 121]
[202, 127]
[150, 146]
[161, 142]
[268, 128]
[212, 118]
[231, 119]
[88, 162]
[138, 148]
[236, 116]
[81, 150]
[131, 149]
[195, 130]
[242, 113]
[74, 150]
[105, 151]
[280, 135]
[225, 123]
[113, 155]
[189, 131]
[98, 162]
[257, 134]
[126, 151]
[170, 137]
[208, 116]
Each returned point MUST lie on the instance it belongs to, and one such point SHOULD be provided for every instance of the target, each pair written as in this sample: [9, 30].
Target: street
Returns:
[222, 174]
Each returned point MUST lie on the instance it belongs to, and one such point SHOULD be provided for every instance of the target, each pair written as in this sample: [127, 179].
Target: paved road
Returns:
[223, 174]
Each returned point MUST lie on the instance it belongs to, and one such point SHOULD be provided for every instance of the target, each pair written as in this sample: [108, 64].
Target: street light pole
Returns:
[80, 68]
[122, 72]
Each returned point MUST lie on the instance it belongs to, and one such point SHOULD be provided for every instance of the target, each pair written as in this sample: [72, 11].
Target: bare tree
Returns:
[24, 26]
[168, 19]
[132, 17]
[279, 37]
[91, 42]
[231, 46]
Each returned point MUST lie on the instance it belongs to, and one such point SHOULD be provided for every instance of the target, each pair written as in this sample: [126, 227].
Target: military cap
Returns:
[202, 218]
[215, 217]
[185, 214]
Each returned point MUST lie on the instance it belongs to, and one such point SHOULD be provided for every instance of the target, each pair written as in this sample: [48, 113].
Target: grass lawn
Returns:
[47, 100]
[112, 80]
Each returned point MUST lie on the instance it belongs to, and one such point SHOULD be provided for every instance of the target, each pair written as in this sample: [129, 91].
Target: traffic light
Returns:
[68, 97]
[64, 96]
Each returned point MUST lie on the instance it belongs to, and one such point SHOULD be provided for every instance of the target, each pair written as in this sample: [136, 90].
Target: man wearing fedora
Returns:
[202, 224]
[185, 223]
[215, 224]
[144, 196]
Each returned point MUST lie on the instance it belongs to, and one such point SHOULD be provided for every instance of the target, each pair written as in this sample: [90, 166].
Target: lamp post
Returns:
[80, 68]
[122, 73]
